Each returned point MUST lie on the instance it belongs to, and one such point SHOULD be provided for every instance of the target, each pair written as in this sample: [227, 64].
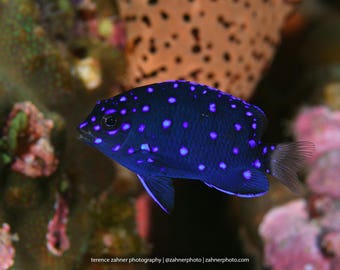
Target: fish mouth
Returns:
[85, 136]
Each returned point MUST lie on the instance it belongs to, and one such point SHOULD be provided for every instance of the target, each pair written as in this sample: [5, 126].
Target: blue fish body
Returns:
[180, 129]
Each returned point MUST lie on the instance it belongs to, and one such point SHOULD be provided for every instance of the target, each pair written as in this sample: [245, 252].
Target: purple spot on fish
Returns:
[110, 111]
[131, 151]
[82, 125]
[146, 108]
[171, 100]
[112, 132]
[249, 113]
[116, 148]
[175, 85]
[93, 118]
[96, 127]
[122, 99]
[212, 107]
[123, 111]
[233, 106]
[185, 124]
[155, 149]
[145, 147]
[247, 175]
[126, 126]
[150, 89]
[237, 127]
[272, 148]
[183, 151]
[253, 125]
[252, 143]
[150, 160]
[213, 135]
[201, 167]
[235, 150]
[98, 140]
[166, 123]
[141, 128]
[222, 165]
[192, 88]
[265, 150]
[257, 163]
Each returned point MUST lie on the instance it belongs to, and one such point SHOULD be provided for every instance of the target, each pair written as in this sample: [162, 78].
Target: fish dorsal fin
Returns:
[242, 182]
[160, 189]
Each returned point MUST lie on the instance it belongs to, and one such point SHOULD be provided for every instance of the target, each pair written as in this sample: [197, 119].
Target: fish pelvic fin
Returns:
[160, 189]
[287, 159]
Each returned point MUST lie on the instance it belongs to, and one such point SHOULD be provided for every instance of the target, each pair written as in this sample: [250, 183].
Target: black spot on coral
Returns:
[130, 18]
[152, 2]
[164, 15]
[167, 44]
[136, 41]
[257, 55]
[206, 58]
[174, 36]
[186, 17]
[233, 38]
[223, 22]
[210, 75]
[146, 20]
[226, 56]
[195, 33]
[178, 59]
[194, 74]
[152, 46]
[196, 48]
[145, 58]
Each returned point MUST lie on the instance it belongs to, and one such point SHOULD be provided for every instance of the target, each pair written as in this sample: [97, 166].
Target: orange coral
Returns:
[226, 44]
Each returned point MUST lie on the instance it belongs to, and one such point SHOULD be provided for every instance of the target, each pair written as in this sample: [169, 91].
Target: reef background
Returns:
[63, 203]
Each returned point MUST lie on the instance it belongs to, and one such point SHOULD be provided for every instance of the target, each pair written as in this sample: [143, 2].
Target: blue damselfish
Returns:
[180, 129]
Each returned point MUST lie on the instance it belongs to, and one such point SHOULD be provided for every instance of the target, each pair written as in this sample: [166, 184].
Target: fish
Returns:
[185, 130]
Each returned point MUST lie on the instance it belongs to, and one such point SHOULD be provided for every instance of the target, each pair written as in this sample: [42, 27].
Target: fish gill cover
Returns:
[225, 44]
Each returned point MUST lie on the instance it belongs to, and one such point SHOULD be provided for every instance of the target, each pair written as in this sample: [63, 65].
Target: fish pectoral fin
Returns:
[160, 189]
[242, 182]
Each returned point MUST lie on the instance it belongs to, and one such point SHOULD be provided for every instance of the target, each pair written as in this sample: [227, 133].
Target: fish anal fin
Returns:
[242, 182]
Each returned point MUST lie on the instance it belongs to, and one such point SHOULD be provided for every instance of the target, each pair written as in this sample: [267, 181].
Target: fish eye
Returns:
[110, 121]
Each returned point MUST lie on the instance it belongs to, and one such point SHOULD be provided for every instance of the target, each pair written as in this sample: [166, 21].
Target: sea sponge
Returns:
[225, 44]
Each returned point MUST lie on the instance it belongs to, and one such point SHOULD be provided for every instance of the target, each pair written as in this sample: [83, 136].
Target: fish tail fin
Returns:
[287, 159]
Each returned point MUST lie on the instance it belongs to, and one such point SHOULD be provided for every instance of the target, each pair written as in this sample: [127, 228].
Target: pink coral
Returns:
[296, 236]
[323, 178]
[7, 251]
[143, 213]
[34, 155]
[118, 37]
[291, 239]
[57, 239]
[321, 126]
